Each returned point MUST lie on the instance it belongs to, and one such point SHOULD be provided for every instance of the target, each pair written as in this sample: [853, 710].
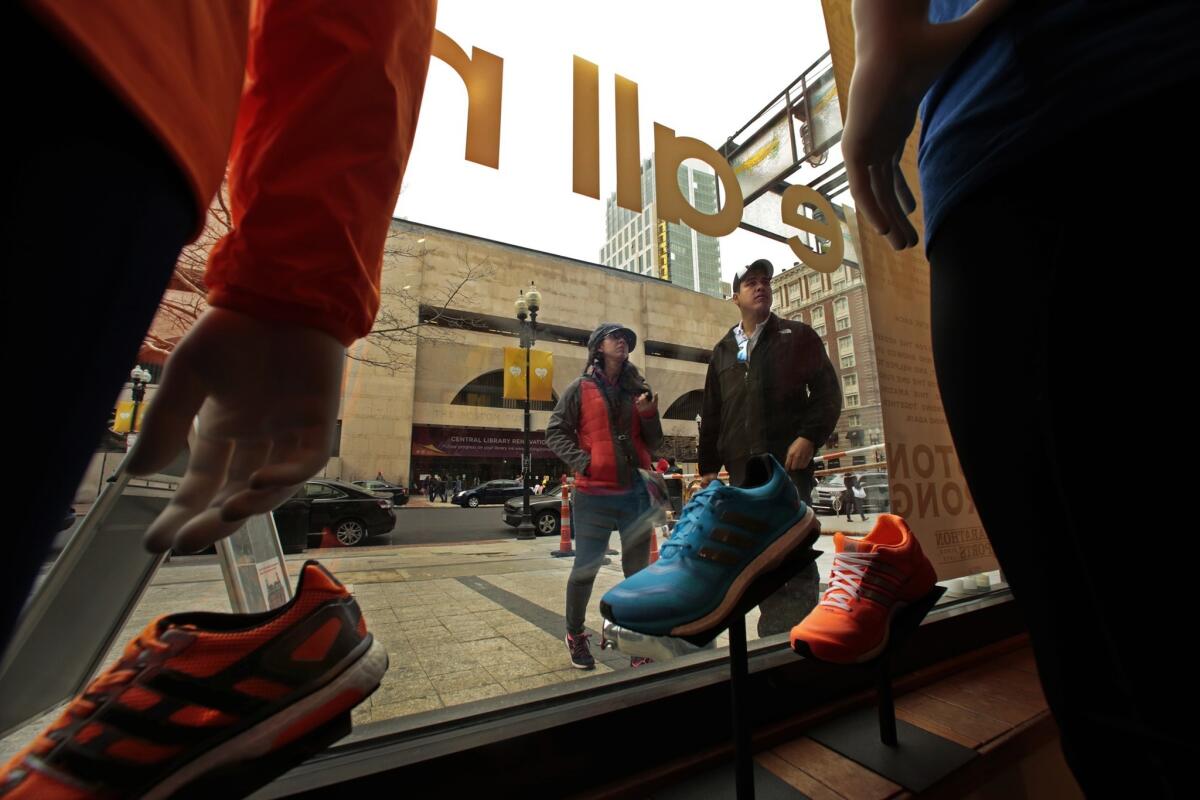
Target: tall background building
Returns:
[640, 242]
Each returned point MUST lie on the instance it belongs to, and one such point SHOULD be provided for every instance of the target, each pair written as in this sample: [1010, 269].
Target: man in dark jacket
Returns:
[770, 389]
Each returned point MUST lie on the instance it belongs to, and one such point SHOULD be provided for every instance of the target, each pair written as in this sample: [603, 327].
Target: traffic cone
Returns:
[564, 545]
[328, 539]
[653, 544]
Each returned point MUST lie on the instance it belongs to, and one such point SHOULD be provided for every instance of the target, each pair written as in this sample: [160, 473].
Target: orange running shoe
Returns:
[872, 579]
[204, 705]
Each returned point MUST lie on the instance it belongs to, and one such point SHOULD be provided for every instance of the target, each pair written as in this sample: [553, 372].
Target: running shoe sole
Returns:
[257, 756]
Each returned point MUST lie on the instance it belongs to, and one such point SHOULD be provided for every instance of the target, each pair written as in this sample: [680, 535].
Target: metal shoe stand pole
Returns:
[738, 674]
[739, 671]
[903, 627]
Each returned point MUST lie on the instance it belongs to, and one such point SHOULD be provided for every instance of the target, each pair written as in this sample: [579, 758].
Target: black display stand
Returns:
[766, 585]
[902, 753]
[739, 673]
[762, 588]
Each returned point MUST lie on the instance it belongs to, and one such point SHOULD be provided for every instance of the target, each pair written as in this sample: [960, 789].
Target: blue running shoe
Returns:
[725, 539]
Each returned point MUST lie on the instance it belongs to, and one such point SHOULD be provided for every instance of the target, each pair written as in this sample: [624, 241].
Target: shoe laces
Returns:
[689, 519]
[103, 686]
[849, 569]
[579, 644]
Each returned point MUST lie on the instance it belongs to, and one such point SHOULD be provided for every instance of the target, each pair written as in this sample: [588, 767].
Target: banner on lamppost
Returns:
[541, 379]
[125, 416]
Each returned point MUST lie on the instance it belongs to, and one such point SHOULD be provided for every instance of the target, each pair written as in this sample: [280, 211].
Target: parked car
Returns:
[352, 513]
[827, 496]
[545, 511]
[490, 493]
[399, 494]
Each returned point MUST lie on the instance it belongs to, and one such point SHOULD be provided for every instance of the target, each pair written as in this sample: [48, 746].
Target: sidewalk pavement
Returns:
[421, 501]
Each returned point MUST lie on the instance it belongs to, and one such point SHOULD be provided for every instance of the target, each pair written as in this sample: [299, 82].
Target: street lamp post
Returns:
[140, 377]
[527, 305]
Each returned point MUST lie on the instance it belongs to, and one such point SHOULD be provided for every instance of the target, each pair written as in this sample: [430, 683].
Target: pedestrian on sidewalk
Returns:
[853, 497]
[604, 427]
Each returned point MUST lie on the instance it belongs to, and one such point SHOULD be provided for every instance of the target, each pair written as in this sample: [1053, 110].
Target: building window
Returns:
[852, 400]
[687, 406]
[820, 329]
[843, 323]
[841, 307]
[850, 381]
[848, 361]
[814, 284]
[818, 314]
[853, 421]
[845, 345]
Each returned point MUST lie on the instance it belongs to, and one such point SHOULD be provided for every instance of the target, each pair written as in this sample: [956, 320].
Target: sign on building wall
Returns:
[452, 442]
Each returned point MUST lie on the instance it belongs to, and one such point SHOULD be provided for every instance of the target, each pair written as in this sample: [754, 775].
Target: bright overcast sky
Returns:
[702, 68]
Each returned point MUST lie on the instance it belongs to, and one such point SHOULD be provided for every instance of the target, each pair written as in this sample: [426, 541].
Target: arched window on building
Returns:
[487, 391]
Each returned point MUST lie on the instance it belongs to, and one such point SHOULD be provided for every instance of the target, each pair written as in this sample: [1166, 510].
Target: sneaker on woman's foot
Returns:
[581, 653]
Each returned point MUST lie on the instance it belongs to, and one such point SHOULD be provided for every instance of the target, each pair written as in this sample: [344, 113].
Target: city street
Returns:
[446, 525]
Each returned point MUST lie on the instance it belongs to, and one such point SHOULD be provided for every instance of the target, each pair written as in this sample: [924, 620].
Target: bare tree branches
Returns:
[406, 319]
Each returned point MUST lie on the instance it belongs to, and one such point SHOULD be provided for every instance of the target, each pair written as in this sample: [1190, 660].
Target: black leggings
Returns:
[853, 505]
[1056, 296]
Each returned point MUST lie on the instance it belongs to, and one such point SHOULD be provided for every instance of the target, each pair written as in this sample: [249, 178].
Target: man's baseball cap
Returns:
[762, 263]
